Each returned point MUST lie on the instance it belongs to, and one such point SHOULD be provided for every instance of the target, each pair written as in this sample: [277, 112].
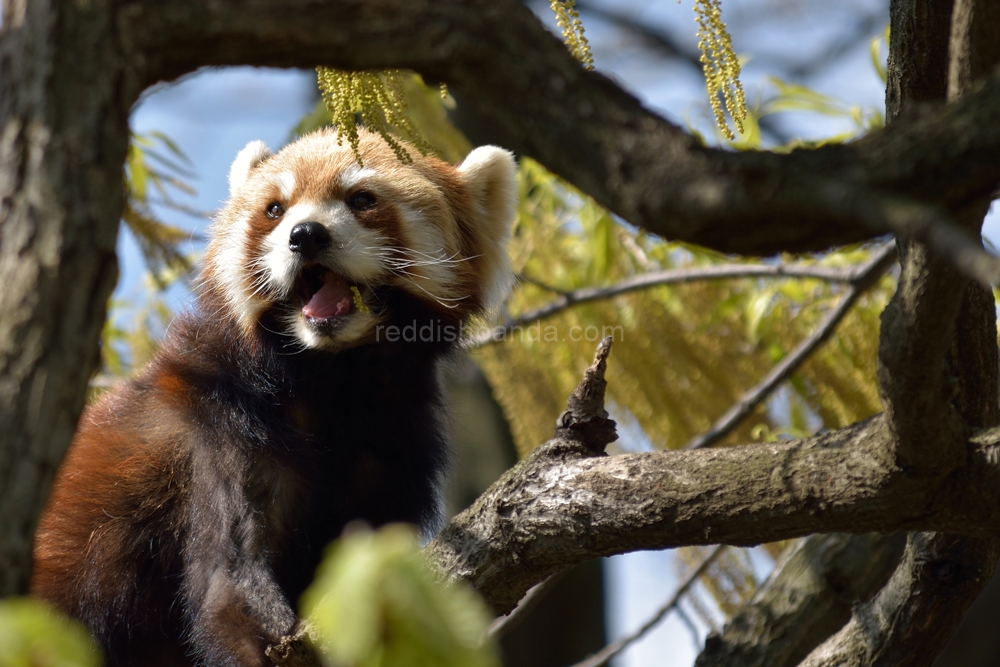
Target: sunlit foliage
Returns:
[426, 114]
[683, 354]
[156, 171]
[32, 634]
[375, 604]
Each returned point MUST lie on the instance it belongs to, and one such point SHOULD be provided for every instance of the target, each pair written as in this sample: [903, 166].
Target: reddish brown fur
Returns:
[195, 500]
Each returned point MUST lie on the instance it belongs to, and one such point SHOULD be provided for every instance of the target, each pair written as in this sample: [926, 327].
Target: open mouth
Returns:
[325, 295]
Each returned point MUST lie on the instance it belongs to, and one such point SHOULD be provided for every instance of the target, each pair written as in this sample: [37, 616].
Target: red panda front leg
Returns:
[234, 605]
[239, 614]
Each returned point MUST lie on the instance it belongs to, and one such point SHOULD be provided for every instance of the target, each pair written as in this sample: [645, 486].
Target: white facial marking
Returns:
[426, 265]
[352, 175]
[229, 264]
[285, 182]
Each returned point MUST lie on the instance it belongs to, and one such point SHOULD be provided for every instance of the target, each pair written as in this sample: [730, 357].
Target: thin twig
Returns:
[689, 624]
[501, 625]
[616, 647]
[863, 28]
[657, 279]
[864, 277]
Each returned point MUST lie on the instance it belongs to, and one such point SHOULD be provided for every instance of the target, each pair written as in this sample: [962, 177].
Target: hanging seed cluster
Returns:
[374, 99]
[568, 20]
[721, 67]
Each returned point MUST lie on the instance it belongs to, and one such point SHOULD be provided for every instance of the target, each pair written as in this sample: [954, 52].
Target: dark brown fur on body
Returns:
[229, 470]
[196, 500]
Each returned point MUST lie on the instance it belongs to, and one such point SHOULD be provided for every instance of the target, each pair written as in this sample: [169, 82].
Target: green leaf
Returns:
[875, 48]
[32, 634]
[756, 310]
[374, 604]
[138, 174]
[171, 146]
[795, 97]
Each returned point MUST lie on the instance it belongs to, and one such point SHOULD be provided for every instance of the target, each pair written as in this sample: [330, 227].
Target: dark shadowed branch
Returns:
[600, 138]
[808, 597]
[904, 626]
[501, 625]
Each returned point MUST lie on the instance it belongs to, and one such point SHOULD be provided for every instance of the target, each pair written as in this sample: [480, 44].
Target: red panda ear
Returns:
[490, 178]
[253, 154]
[489, 174]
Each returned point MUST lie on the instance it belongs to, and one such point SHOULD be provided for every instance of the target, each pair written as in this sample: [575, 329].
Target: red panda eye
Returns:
[361, 200]
[275, 210]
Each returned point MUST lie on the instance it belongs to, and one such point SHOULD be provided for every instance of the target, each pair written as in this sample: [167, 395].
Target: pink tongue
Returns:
[333, 299]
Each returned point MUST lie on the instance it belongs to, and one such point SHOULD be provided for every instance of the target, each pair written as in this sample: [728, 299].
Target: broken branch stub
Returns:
[585, 419]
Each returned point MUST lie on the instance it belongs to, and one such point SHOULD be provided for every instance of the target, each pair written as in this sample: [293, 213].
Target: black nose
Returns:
[308, 239]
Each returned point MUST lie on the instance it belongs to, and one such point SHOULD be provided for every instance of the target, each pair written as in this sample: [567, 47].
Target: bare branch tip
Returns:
[585, 418]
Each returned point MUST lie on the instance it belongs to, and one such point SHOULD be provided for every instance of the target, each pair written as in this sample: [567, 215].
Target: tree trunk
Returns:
[64, 103]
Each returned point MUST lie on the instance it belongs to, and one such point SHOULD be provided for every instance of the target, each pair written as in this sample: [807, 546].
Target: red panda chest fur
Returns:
[299, 394]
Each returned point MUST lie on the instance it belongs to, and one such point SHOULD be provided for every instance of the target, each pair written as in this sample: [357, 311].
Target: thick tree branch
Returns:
[807, 598]
[650, 172]
[563, 504]
[939, 578]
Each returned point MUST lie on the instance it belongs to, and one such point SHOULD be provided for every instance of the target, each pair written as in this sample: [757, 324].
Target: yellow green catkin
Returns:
[568, 20]
[358, 303]
[375, 99]
[721, 67]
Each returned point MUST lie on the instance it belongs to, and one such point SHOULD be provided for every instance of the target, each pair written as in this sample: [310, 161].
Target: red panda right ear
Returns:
[253, 154]
[490, 178]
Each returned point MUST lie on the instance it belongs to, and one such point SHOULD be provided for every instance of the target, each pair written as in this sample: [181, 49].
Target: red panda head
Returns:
[314, 241]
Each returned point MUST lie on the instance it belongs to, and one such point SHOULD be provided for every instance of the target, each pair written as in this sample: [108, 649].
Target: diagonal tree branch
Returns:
[807, 598]
[501, 625]
[864, 277]
[572, 298]
[600, 138]
[616, 647]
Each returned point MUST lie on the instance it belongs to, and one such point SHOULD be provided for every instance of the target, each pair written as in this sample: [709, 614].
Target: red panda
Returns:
[195, 500]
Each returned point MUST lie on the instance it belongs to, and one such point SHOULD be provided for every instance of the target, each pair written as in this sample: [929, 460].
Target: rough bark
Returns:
[63, 133]
[940, 576]
[909, 622]
[807, 598]
[565, 504]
